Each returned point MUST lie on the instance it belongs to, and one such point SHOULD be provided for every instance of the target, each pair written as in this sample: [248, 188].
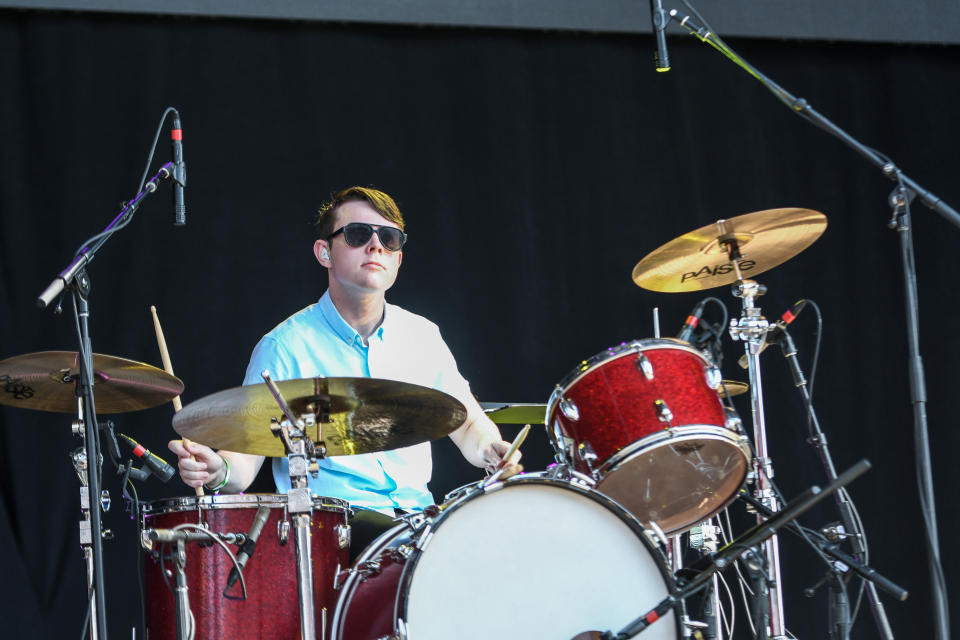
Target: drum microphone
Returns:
[155, 463]
[659, 17]
[686, 331]
[249, 546]
[774, 334]
[179, 175]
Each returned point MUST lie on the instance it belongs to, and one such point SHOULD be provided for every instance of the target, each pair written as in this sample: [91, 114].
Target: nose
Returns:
[374, 245]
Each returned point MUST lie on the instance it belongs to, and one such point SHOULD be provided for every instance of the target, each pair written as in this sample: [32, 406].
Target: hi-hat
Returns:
[47, 381]
[700, 259]
[365, 415]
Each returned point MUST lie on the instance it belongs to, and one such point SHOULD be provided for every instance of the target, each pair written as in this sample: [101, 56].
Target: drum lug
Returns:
[283, 531]
[644, 366]
[713, 377]
[586, 453]
[733, 421]
[663, 412]
[343, 536]
[569, 408]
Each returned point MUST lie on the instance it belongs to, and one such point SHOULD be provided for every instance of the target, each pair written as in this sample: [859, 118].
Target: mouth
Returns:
[375, 265]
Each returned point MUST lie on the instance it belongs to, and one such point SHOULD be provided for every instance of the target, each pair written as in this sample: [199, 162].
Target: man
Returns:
[353, 332]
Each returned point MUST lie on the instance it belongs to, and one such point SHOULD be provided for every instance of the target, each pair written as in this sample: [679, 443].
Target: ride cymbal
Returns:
[699, 259]
[515, 412]
[46, 381]
[365, 415]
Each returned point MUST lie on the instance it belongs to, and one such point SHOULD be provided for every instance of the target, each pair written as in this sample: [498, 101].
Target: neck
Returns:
[363, 313]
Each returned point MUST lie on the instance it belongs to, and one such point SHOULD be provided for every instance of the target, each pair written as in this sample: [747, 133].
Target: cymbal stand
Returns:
[752, 328]
[79, 459]
[302, 457]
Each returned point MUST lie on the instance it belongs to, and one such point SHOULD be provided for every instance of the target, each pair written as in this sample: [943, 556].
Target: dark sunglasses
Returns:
[358, 234]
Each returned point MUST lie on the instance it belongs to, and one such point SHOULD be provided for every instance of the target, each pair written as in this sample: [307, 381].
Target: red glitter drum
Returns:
[645, 421]
[527, 558]
[271, 607]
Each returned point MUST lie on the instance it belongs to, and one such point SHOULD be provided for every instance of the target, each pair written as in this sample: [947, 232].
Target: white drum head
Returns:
[536, 559]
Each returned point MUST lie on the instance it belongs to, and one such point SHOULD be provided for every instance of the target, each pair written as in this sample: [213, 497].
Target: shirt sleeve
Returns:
[271, 356]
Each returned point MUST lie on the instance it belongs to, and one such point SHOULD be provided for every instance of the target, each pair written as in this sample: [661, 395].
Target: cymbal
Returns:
[730, 388]
[366, 415]
[46, 381]
[515, 412]
[698, 259]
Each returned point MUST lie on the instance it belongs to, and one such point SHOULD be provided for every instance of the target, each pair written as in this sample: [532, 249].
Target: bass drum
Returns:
[532, 557]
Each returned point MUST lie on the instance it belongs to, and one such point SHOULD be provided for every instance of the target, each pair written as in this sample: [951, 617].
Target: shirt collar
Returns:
[341, 327]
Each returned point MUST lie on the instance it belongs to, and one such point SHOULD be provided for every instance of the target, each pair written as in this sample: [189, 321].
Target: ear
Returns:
[399, 258]
[321, 250]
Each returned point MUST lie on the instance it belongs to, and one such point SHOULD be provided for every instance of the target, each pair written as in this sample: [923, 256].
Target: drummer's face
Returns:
[360, 270]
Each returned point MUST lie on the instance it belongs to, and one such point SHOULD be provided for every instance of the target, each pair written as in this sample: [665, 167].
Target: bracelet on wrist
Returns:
[226, 476]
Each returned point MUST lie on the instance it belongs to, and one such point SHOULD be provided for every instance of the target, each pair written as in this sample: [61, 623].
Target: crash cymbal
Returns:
[699, 260]
[515, 412]
[46, 381]
[366, 414]
[730, 388]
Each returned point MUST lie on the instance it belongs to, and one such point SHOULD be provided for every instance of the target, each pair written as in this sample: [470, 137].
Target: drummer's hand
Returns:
[199, 464]
[493, 454]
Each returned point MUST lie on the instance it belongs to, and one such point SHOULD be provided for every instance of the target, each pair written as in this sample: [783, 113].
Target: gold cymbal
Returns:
[732, 388]
[366, 415]
[515, 412]
[699, 259]
[46, 381]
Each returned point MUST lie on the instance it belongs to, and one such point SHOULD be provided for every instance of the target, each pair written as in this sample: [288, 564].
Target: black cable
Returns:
[103, 236]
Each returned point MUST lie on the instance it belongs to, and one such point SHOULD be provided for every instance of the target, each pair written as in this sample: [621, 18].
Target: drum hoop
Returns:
[235, 501]
[403, 585]
[678, 435]
[614, 353]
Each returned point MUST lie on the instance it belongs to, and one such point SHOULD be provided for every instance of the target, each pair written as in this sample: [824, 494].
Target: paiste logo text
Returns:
[717, 270]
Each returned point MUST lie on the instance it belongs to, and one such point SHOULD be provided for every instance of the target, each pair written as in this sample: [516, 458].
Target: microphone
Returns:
[659, 18]
[155, 463]
[249, 545]
[773, 335]
[686, 331]
[179, 172]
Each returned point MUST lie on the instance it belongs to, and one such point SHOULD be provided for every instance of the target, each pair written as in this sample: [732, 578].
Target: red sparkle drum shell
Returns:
[646, 421]
[271, 609]
[534, 558]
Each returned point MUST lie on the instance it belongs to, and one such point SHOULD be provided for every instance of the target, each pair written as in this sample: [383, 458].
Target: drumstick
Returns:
[515, 444]
[168, 367]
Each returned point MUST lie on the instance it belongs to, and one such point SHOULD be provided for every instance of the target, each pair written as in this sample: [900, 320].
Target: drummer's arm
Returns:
[199, 465]
[480, 442]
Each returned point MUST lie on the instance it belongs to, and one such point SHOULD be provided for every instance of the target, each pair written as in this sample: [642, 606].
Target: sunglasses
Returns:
[358, 234]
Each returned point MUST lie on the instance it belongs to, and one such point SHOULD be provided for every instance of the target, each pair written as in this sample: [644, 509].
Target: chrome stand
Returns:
[80, 465]
[752, 328]
[705, 539]
[302, 455]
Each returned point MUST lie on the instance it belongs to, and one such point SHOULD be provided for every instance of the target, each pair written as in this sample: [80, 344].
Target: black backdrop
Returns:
[535, 169]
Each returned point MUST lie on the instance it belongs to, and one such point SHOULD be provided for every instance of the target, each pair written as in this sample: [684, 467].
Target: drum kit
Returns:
[646, 450]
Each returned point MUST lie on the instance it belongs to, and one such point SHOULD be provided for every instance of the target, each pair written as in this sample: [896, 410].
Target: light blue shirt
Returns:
[406, 347]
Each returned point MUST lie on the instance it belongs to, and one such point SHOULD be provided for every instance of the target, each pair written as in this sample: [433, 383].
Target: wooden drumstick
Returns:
[168, 367]
[515, 445]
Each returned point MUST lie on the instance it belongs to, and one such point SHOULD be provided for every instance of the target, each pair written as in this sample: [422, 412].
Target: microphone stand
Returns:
[838, 602]
[730, 553]
[906, 190]
[76, 278]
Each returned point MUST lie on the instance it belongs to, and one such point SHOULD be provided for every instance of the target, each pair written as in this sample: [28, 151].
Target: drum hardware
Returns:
[644, 366]
[302, 453]
[697, 576]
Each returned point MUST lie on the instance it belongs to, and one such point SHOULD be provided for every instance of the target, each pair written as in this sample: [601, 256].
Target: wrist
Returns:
[217, 486]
